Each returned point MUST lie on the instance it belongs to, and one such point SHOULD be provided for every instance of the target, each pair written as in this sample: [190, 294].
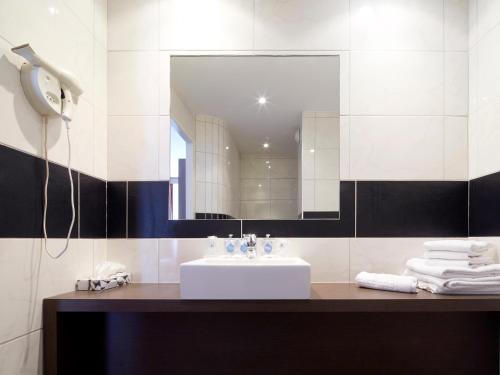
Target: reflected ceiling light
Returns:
[311, 150]
[265, 145]
[227, 147]
[259, 185]
[268, 167]
[262, 100]
[53, 10]
[267, 161]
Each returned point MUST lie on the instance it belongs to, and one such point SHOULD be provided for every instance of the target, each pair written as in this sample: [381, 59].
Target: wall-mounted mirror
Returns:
[254, 137]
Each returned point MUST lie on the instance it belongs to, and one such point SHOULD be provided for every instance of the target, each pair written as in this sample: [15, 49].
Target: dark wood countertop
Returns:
[324, 298]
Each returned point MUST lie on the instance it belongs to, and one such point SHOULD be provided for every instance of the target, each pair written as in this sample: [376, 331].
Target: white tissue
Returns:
[106, 269]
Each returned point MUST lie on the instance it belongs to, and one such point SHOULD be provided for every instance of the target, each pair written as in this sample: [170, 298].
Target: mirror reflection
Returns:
[254, 137]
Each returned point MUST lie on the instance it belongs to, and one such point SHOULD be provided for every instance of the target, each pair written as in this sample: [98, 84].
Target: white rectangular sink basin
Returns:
[241, 278]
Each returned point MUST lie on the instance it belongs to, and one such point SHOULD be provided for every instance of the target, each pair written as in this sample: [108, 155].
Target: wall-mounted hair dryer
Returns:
[51, 91]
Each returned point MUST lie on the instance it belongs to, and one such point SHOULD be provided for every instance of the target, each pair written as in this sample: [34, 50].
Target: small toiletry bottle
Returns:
[244, 245]
[268, 246]
[212, 247]
[230, 245]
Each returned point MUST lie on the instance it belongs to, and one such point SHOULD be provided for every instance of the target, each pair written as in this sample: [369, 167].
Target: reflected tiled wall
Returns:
[268, 186]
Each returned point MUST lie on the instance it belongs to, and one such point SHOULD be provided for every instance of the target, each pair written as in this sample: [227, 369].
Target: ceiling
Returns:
[228, 87]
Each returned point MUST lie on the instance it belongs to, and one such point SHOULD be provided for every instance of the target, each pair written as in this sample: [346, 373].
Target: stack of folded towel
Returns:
[456, 267]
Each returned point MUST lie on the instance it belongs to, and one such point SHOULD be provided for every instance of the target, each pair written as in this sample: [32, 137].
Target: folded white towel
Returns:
[419, 265]
[465, 246]
[434, 288]
[382, 281]
[486, 285]
[451, 255]
[472, 262]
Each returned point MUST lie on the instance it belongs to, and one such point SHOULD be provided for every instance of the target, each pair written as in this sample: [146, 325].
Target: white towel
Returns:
[451, 255]
[480, 285]
[382, 281]
[419, 265]
[464, 246]
[472, 262]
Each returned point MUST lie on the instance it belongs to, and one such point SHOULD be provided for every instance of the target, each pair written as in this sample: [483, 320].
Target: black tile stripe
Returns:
[92, 207]
[484, 216]
[22, 178]
[117, 209]
[147, 208]
[412, 209]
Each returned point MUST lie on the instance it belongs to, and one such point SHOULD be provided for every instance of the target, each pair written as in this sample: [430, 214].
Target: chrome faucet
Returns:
[251, 242]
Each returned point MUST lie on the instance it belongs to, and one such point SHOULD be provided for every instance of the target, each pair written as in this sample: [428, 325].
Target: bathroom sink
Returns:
[241, 278]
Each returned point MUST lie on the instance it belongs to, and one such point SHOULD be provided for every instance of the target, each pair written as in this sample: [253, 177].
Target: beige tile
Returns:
[456, 25]
[397, 148]
[301, 25]
[456, 95]
[101, 22]
[455, 148]
[206, 25]
[133, 24]
[396, 83]
[22, 355]
[133, 147]
[164, 148]
[383, 255]
[396, 25]
[173, 252]
[140, 257]
[133, 83]
[329, 257]
[326, 195]
[100, 144]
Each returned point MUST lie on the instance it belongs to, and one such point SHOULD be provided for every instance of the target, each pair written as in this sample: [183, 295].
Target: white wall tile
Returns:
[101, 22]
[140, 257]
[308, 195]
[82, 139]
[455, 148]
[488, 16]
[84, 11]
[383, 255]
[254, 189]
[344, 147]
[133, 147]
[327, 132]
[173, 252]
[164, 71]
[283, 168]
[133, 83]
[326, 195]
[488, 74]
[397, 25]
[100, 253]
[22, 355]
[327, 163]
[301, 25]
[133, 24]
[206, 24]
[256, 209]
[329, 257]
[397, 83]
[484, 138]
[456, 94]
[164, 148]
[456, 25]
[100, 144]
[284, 209]
[283, 189]
[200, 196]
[407, 148]
[100, 77]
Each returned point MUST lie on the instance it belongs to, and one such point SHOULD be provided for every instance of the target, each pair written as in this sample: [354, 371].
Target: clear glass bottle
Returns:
[212, 247]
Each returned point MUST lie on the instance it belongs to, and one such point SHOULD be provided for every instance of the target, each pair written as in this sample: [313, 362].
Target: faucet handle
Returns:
[251, 239]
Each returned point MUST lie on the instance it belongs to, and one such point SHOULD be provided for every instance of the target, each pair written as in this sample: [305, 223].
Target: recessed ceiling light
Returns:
[265, 145]
[262, 100]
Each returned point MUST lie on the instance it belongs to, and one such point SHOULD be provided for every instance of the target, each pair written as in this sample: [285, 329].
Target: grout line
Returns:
[126, 209]
[79, 205]
[6, 342]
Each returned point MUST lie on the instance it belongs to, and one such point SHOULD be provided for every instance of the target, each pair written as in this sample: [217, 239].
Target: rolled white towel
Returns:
[382, 281]
[447, 272]
[464, 246]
